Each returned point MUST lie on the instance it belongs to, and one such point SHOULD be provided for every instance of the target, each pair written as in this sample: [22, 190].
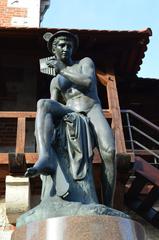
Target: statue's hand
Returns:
[56, 64]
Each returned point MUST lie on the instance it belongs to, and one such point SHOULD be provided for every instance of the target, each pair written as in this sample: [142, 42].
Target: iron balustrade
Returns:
[134, 135]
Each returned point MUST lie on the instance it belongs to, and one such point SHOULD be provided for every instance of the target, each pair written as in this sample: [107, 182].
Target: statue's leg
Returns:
[106, 146]
[48, 111]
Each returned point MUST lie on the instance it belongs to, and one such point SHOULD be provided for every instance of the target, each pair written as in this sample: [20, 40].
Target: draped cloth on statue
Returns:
[79, 143]
[73, 143]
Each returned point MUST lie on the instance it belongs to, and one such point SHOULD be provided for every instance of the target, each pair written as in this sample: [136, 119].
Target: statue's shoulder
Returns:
[87, 60]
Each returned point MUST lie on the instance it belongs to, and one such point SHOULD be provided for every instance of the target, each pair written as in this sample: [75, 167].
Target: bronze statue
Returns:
[76, 82]
[68, 127]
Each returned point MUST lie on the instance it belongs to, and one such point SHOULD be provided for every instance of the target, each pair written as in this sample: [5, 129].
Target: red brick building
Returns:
[22, 13]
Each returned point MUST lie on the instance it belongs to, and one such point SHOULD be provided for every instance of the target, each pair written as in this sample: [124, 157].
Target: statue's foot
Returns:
[42, 166]
[33, 172]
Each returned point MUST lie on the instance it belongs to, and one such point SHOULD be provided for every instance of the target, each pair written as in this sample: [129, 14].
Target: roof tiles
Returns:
[124, 49]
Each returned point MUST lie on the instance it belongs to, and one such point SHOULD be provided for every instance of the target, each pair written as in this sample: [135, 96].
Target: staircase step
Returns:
[149, 200]
[136, 186]
[147, 170]
[144, 206]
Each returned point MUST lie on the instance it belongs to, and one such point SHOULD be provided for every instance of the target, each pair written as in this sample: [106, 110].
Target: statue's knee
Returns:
[43, 104]
[40, 103]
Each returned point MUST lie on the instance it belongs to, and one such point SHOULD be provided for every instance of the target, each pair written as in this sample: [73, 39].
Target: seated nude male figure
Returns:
[76, 82]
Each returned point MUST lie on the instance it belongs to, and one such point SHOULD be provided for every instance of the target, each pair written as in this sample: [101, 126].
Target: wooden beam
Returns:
[4, 158]
[114, 108]
[20, 140]
[143, 152]
[5, 114]
[31, 158]
[102, 77]
[107, 113]
[33, 114]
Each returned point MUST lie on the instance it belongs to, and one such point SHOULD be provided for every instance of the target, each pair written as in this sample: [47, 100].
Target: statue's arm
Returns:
[84, 76]
[54, 89]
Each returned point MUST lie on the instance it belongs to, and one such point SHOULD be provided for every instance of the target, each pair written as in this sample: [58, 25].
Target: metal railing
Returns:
[141, 135]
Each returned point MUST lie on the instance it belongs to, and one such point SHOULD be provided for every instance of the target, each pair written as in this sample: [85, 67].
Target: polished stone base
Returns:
[56, 207]
[81, 228]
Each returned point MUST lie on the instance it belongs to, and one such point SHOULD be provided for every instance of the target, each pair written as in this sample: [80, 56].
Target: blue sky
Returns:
[111, 15]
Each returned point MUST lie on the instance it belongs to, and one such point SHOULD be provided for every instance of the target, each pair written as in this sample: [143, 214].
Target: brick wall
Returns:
[24, 13]
[6, 13]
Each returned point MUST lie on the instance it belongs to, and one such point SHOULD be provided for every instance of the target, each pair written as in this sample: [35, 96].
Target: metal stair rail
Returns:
[141, 136]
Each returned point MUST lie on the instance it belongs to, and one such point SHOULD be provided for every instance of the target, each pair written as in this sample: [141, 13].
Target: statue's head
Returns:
[60, 38]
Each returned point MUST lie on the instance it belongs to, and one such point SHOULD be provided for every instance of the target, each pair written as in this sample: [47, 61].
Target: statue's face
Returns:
[63, 49]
